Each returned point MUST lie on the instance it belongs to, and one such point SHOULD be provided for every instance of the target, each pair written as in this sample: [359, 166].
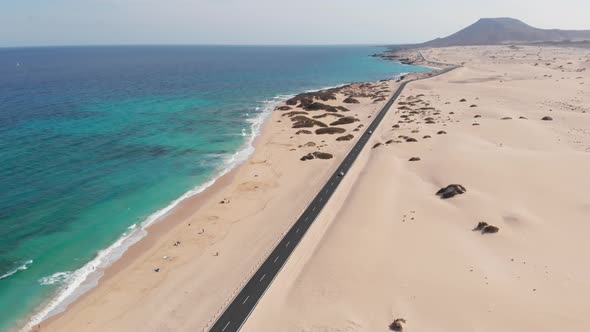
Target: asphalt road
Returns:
[243, 304]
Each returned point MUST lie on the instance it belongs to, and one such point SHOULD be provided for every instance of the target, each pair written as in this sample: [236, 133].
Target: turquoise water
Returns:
[95, 140]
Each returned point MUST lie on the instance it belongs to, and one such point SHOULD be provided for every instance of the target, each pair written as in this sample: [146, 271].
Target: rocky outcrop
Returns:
[486, 228]
[304, 132]
[283, 108]
[397, 325]
[350, 100]
[490, 229]
[317, 155]
[308, 97]
[451, 191]
[547, 118]
[305, 122]
[414, 159]
[336, 115]
[344, 120]
[330, 131]
[293, 113]
[345, 138]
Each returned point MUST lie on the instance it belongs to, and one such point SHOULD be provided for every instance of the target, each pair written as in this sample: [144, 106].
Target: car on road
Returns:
[341, 174]
[370, 131]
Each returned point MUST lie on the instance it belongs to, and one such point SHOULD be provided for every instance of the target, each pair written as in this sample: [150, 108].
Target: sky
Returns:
[113, 22]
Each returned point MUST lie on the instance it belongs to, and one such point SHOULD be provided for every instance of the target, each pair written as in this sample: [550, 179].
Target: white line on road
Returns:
[289, 242]
[225, 327]
[246, 299]
[262, 278]
[297, 231]
[276, 259]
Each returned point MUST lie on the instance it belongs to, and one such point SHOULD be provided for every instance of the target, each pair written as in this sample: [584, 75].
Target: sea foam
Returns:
[19, 268]
[76, 283]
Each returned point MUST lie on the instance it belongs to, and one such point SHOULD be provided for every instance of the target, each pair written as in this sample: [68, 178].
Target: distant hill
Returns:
[504, 30]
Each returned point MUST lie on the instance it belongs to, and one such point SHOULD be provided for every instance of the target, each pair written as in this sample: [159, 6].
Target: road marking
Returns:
[321, 199]
[297, 231]
[276, 259]
[225, 327]
[286, 245]
[247, 297]
[305, 218]
[262, 278]
[312, 210]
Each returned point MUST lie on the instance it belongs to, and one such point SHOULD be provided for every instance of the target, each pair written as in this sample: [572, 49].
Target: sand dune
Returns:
[387, 247]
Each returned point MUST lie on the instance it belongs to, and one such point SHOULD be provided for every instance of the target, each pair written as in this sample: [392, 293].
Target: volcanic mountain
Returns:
[504, 30]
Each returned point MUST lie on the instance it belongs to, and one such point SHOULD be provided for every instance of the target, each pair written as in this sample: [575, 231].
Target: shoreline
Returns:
[161, 225]
[131, 243]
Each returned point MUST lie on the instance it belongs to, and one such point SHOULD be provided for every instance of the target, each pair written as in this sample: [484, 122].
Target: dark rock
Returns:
[322, 155]
[342, 108]
[345, 138]
[330, 130]
[293, 113]
[473, 105]
[477, 116]
[414, 159]
[480, 226]
[410, 139]
[379, 99]
[522, 117]
[344, 120]
[376, 145]
[389, 142]
[463, 100]
[350, 100]
[305, 122]
[308, 156]
[427, 136]
[475, 124]
[308, 97]
[283, 108]
[303, 131]
[442, 132]
[547, 118]
[489, 229]
[316, 106]
[397, 325]
[395, 126]
[430, 122]
[336, 115]
[450, 191]
[506, 118]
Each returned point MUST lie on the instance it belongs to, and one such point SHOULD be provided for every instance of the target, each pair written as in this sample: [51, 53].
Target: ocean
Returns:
[96, 143]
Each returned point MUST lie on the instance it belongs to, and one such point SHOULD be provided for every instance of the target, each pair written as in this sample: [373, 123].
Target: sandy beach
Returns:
[385, 246]
[207, 248]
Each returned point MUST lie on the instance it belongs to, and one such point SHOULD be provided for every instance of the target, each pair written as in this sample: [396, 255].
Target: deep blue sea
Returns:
[96, 142]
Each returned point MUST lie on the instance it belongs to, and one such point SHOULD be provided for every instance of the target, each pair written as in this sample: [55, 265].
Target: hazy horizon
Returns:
[263, 22]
